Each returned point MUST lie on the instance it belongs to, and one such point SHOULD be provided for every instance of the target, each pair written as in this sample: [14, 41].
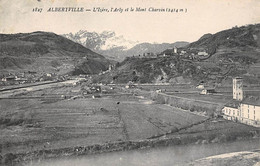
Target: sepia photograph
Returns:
[129, 83]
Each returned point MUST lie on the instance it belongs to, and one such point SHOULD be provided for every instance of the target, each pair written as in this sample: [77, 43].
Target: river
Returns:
[165, 156]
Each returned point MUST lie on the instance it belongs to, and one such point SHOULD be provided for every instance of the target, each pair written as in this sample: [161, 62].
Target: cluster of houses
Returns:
[146, 55]
[243, 109]
[27, 77]
[191, 54]
[14, 79]
[205, 90]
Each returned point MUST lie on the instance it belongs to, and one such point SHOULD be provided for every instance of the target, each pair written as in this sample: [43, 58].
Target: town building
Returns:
[9, 78]
[183, 52]
[175, 50]
[95, 89]
[250, 111]
[237, 88]
[110, 67]
[243, 109]
[130, 86]
[161, 55]
[203, 53]
[200, 86]
[231, 110]
[206, 91]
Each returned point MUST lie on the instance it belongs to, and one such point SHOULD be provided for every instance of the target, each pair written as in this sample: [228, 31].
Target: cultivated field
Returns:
[216, 98]
[44, 120]
[217, 131]
[61, 120]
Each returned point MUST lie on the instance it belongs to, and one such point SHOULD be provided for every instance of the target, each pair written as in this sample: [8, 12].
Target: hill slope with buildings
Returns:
[46, 52]
[213, 58]
[116, 47]
[120, 54]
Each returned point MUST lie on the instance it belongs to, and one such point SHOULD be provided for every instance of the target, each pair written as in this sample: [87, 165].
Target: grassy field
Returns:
[55, 118]
[144, 120]
[170, 88]
[51, 122]
[209, 98]
[191, 92]
[217, 130]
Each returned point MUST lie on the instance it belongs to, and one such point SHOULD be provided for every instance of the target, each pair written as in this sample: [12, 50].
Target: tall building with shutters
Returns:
[243, 109]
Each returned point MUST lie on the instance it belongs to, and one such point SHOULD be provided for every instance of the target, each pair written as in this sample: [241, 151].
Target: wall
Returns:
[231, 113]
[188, 104]
[250, 114]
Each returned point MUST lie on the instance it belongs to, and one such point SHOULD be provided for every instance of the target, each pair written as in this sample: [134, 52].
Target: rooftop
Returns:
[233, 103]
[252, 100]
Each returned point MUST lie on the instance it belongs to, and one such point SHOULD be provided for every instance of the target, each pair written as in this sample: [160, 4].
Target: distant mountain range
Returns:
[116, 47]
[233, 52]
[47, 52]
[230, 53]
[100, 41]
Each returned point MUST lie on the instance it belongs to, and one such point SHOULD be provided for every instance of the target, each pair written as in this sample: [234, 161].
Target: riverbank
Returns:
[168, 155]
[244, 158]
[165, 141]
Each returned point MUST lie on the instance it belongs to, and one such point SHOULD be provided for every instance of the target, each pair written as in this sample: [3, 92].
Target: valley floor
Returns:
[60, 117]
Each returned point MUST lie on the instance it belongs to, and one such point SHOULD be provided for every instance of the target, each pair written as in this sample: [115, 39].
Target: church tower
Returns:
[238, 88]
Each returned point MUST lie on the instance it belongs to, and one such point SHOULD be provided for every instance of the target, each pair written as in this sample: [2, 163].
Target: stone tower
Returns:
[238, 88]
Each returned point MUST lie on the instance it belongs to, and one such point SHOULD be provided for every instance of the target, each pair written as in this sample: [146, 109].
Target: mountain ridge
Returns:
[116, 47]
[45, 52]
[213, 58]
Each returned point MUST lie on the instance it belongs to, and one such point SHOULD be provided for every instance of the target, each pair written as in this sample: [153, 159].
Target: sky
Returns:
[199, 17]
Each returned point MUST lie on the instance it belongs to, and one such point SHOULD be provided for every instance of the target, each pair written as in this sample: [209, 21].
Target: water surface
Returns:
[165, 156]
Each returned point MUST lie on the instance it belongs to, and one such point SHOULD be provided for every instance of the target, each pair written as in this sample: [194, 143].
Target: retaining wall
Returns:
[188, 104]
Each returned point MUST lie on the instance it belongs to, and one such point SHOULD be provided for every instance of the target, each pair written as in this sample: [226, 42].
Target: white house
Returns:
[200, 86]
[206, 91]
[242, 109]
[183, 52]
[231, 111]
[203, 53]
[175, 50]
[9, 78]
[250, 111]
